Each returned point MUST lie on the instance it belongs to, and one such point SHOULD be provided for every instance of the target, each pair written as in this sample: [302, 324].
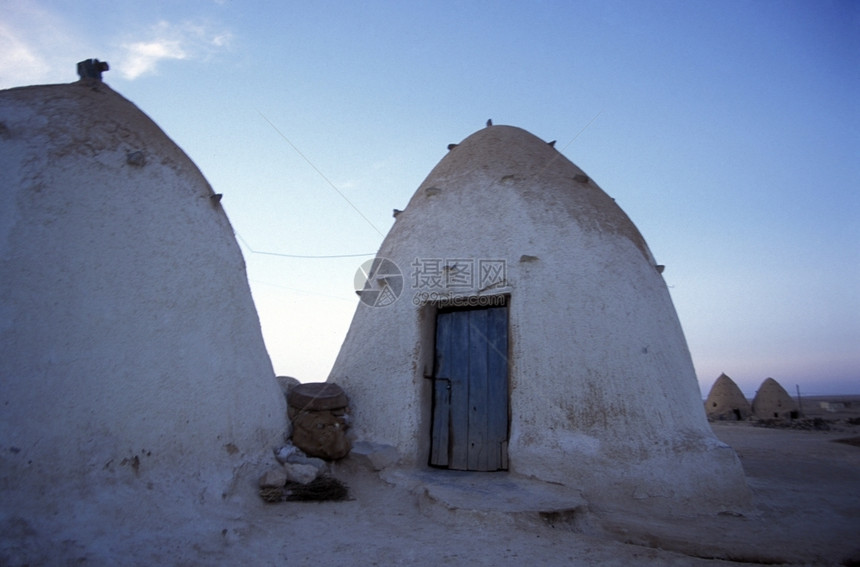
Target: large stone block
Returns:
[321, 434]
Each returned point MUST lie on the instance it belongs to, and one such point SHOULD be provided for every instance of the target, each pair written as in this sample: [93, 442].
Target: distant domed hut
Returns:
[773, 402]
[515, 319]
[726, 401]
[131, 355]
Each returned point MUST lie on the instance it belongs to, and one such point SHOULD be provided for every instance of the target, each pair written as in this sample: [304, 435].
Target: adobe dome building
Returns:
[515, 319]
[771, 401]
[131, 356]
[726, 401]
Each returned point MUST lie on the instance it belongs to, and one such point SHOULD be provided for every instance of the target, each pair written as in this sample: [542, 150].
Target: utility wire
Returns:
[248, 246]
[332, 185]
[344, 197]
[583, 129]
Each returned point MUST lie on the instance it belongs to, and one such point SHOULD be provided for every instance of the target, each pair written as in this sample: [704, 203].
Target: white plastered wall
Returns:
[130, 348]
[602, 387]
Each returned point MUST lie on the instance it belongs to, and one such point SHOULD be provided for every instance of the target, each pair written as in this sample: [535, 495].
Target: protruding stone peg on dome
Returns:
[92, 69]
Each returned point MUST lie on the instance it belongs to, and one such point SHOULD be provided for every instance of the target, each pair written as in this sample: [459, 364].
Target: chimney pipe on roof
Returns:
[92, 69]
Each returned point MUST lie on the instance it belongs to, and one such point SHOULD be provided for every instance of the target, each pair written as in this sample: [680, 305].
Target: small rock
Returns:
[284, 453]
[289, 453]
[303, 474]
[274, 478]
[136, 158]
[299, 458]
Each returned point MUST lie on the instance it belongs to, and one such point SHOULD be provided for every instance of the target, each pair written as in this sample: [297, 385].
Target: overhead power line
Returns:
[327, 180]
[308, 256]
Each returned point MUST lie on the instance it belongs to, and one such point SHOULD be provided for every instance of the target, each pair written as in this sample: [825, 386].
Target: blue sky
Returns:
[728, 131]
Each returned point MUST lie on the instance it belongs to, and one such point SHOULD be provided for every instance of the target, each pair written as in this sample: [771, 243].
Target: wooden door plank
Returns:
[439, 447]
[439, 441]
[477, 429]
[458, 368]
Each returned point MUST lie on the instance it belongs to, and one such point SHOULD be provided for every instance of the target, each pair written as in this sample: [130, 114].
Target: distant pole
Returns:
[799, 406]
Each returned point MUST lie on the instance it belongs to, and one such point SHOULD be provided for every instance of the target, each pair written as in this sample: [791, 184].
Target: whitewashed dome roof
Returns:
[513, 157]
[129, 343]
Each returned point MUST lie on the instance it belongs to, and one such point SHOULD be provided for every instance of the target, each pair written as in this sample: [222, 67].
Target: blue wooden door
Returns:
[470, 393]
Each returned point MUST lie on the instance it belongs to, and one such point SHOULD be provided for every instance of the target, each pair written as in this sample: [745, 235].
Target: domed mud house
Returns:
[771, 401]
[131, 355]
[726, 401]
[515, 320]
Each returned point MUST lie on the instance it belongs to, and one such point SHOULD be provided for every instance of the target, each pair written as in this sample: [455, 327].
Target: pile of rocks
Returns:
[807, 424]
[319, 420]
[299, 477]
[296, 466]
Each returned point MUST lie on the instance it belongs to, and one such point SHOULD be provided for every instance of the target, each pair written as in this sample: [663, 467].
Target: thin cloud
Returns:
[40, 46]
[167, 41]
[143, 56]
[19, 63]
[30, 39]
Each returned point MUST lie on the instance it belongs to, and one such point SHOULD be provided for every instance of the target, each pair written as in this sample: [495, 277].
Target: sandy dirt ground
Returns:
[805, 511]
